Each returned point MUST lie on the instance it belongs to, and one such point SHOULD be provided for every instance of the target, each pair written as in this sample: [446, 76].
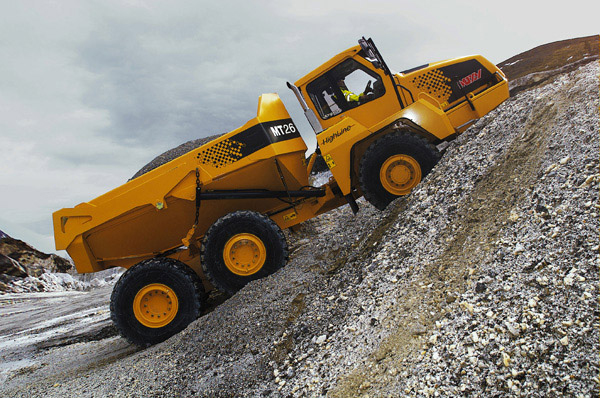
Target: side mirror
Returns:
[370, 52]
[375, 62]
[363, 44]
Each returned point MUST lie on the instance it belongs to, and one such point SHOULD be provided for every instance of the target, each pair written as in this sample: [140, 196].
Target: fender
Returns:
[425, 115]
[337, 141]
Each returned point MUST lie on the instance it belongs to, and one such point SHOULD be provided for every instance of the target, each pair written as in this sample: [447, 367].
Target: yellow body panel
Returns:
[336, 144]
[430, 84]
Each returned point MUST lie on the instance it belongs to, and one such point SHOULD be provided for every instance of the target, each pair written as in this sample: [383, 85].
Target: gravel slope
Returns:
[482, 282]
[172, 154]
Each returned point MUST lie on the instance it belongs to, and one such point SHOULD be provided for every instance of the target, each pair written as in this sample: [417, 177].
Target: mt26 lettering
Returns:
[283, 129]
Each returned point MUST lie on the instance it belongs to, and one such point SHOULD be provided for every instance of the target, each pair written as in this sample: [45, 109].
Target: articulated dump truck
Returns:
[213, 218]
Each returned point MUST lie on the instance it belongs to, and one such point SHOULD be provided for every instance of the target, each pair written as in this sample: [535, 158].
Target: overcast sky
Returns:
[90, 91]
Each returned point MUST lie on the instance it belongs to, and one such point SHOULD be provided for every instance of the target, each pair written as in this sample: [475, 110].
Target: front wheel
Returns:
[154, 300]
[393, 165]
[241, 247]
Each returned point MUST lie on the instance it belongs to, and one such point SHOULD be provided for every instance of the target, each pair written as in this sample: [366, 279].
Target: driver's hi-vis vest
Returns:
[350, 96]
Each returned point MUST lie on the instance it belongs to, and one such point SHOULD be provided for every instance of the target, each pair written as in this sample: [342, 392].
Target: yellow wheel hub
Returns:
[244, 254]
[155, 305]
[399, 174]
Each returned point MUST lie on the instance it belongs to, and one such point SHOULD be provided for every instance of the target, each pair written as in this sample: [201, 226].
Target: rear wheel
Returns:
[393, 165]
[241, 247]
[154, 300]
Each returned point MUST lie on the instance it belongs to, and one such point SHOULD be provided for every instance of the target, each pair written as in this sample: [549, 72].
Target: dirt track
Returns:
[43, 335]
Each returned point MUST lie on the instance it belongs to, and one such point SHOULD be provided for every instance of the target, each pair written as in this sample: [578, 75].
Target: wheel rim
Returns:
[155, 305]
[399, 174]
[244, 254]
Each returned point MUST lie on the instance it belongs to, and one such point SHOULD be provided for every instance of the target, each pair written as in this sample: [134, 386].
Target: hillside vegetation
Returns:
[551, 56]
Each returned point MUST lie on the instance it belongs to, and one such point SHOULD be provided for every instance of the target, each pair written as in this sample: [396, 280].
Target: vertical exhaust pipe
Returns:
[310, 115]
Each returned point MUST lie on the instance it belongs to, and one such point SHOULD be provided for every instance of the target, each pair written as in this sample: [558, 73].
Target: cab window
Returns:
[344, 87]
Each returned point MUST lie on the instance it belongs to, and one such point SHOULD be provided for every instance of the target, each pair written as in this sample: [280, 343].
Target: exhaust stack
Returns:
[310, 115]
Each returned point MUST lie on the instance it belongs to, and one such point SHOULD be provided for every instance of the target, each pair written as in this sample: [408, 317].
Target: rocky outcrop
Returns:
[24, 269]
[10, 267]
[32, 260]
[550, 57]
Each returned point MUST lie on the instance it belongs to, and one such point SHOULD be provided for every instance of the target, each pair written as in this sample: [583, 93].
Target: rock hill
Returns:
[19, 260]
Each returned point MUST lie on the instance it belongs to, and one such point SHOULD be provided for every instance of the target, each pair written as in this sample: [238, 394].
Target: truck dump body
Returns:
[153, 213]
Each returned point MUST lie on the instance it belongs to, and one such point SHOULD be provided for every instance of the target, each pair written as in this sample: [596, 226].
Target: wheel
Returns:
[393, 165]
[241, 247]
[154, 300]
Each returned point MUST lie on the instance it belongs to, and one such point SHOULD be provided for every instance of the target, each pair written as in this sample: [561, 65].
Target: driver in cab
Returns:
[352, 98]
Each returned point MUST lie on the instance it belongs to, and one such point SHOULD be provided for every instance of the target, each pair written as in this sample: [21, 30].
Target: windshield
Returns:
[348, 85]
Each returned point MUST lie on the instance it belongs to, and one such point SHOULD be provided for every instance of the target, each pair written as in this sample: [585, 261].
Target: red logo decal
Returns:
[465, 81]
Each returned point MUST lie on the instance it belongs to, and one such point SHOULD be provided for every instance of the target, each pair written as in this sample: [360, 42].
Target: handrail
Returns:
[404, 88]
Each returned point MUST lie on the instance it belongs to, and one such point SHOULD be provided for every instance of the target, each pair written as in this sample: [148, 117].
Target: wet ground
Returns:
[47, 336]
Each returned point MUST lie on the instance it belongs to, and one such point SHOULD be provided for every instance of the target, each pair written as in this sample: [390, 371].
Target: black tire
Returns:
[227, 229]
[390, 145]
[168, 272]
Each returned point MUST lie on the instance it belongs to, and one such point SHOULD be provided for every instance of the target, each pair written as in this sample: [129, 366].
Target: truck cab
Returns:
[459, 87]
[354, 99]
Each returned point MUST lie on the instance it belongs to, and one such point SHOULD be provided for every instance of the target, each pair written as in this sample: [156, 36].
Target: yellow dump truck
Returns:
[214, 216]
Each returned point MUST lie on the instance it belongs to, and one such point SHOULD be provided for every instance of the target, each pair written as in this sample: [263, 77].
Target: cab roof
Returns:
[327, 65]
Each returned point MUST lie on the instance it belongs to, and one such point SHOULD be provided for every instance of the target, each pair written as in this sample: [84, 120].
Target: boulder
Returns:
[11, 267]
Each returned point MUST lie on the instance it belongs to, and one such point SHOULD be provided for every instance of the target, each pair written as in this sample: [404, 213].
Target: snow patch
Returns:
[60, 282]
[320, 179]
[512, 63]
